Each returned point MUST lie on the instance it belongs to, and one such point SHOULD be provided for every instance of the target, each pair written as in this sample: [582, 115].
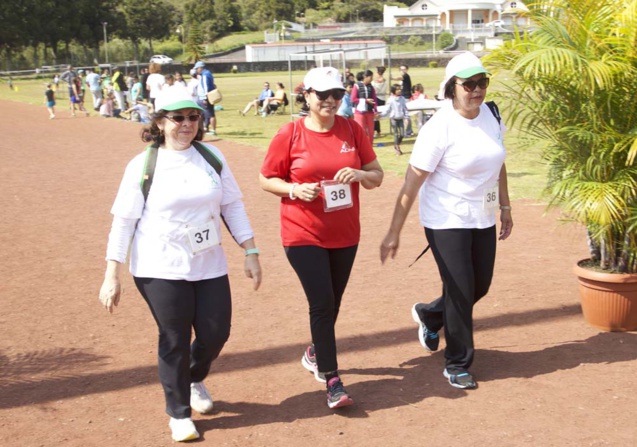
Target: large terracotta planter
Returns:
[609, 300]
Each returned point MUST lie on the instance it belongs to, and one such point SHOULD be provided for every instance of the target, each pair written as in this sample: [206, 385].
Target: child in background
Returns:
[346, 108]
[397, 112]
[106, 109]
[49, 94]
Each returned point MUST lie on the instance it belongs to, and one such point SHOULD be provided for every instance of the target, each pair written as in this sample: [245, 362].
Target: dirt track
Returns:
[72, 375]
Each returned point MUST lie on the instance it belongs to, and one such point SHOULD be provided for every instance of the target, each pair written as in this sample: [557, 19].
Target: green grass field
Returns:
[527, 174]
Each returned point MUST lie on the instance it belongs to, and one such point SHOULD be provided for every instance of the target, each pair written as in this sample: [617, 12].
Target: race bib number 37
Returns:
[336, 196]
[203, 237]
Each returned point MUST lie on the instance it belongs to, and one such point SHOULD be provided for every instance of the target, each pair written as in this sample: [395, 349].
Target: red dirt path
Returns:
[73, 375]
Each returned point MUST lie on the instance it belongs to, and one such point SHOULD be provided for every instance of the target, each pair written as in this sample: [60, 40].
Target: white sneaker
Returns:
[183, 429]
[200, 399]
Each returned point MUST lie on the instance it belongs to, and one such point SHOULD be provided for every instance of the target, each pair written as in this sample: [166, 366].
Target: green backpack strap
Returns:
[209, 157]
[152, 151]
[149, 169]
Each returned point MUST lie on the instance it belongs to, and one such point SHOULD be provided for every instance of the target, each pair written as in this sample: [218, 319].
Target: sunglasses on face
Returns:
[334, 93]
[470, 86]
[181, 118]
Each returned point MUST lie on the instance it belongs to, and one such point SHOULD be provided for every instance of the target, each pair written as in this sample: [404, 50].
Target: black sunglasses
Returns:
[334, 93]
[470, 86]
[182, 118]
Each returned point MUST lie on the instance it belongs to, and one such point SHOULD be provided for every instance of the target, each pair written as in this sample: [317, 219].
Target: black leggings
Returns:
[323, 273]
[178, 306]
[465, 259]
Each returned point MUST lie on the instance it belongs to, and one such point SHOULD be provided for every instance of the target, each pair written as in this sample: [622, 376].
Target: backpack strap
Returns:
[149, 169]
[209, 157]
[152, 150]
[494, 109]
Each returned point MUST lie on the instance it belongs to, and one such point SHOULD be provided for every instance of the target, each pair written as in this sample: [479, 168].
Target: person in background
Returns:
[179, 79]
[364, 101]
[278, 99]
[136, 90]
[381, 87]
[143, 79]
[176, 257]
[155, 81]
[69, 76]
[418, 93]
[458, 173]
[206, 84]
[346, 109]
[397, 112]
[119, 88]
[316, 165]
[49, 96]
[405, 83]
[170, 81]
[193, 84]
[93, 81]
[257, 102]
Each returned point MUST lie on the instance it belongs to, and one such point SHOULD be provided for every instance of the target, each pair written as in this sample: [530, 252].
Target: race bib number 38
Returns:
[203, 237]
[336, 196]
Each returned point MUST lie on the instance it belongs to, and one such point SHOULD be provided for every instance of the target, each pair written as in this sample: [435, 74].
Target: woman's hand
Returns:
[306, 191]
[389, 246]
[507, 224]
[349, 175]
[110, 293]
[252, 267]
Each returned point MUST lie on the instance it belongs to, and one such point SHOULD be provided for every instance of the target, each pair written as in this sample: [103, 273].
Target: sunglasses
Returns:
[470, 86]
[334, 93]
[181, 118]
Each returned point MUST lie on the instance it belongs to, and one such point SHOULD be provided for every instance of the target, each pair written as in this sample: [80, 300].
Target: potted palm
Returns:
[574, 92]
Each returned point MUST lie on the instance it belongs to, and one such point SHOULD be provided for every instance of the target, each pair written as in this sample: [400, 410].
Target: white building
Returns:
[457, 16]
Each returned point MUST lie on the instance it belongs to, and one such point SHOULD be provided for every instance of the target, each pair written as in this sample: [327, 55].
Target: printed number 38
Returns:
[340, 194]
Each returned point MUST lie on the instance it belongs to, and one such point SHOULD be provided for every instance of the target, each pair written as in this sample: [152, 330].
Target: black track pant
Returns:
[178, 306]
[323, 273]
[465, 259]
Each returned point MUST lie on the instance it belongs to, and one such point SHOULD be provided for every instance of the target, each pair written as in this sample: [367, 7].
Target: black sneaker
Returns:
[462, 380]
[428, 338]
[336, 395]
[309, 362]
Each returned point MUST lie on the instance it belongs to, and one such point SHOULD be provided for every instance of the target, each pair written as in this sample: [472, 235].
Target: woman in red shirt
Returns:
[316, 165]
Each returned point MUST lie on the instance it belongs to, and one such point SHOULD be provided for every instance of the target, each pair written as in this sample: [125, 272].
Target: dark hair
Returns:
[349, 82]
[360, 75]
[395, 87]
[280, 84]
[380, 70]
[450, 88]
[152, 133]
[369, 73]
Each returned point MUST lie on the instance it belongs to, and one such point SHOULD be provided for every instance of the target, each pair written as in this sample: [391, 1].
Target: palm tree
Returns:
[574, 92]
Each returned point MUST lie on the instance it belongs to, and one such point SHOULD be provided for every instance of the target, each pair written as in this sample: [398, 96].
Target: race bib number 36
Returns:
[203, 237]
[490, 199]
[336, 196]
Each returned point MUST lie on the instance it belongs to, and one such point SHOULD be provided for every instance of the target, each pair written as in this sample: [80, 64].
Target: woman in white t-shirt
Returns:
[155, 82]
[176, 256]
[457, 169]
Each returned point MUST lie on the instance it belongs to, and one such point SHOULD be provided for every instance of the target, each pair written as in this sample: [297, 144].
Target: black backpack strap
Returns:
[209, 157]
[149, 169]
[494, 109]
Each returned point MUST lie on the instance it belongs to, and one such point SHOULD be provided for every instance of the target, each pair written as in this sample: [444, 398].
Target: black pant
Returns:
[323, 273]
[178, 306]
[465, 259]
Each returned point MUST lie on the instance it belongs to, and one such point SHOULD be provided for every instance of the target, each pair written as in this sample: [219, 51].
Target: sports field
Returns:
[73, 375]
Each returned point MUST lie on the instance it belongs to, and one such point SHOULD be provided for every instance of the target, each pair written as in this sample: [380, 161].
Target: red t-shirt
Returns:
[299, 155]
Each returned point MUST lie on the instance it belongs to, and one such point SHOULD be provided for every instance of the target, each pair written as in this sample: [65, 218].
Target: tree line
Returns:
[49, 27]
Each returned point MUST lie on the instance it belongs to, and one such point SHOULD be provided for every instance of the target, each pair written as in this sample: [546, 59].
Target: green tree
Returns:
[194, 44]
[574, 92]
[149, 19]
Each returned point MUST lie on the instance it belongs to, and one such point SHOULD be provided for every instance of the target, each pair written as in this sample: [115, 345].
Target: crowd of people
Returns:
[129, 96]
[316, 165]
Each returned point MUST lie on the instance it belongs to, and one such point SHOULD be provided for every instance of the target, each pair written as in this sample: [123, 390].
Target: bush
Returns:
[415, 40]
[433, 64]
[445, 40]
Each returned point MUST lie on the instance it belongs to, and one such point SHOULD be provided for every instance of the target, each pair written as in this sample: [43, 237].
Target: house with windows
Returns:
[460, 17]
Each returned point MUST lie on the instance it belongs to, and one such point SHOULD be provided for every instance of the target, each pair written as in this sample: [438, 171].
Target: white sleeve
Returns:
[235, 216]
[119, 238]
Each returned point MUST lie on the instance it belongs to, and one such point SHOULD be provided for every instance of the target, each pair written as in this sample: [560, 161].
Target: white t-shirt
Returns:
[155, 82]
[186, 192]
[464, 158]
